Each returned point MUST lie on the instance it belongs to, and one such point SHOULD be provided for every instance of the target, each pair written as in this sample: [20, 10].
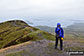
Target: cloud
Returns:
[72, 9]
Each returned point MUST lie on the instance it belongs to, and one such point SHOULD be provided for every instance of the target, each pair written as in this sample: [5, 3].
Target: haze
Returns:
[43, 12]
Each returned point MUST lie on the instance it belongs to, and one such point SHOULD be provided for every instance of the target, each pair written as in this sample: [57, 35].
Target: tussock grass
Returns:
[17, 31]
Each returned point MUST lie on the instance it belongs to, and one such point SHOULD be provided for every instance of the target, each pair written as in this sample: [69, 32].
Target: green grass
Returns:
[51, 49]
[41, 35]
[15, 33]
[21, 53]
[74, 49]
[16, 54]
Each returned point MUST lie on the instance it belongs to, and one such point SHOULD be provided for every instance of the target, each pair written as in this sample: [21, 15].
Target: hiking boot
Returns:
[55, 47]
[61, 49]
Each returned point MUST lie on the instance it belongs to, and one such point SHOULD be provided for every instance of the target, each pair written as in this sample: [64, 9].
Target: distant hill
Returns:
[17, 31]
[76, 29]
[46, 28]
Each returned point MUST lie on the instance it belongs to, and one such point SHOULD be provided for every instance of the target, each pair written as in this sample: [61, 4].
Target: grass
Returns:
[81, 42]
[21, 53]
[50, 49]
[74, 49]
[18, 32]
[16, 54]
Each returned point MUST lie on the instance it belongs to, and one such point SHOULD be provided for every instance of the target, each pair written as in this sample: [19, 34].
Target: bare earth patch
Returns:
[40, 48]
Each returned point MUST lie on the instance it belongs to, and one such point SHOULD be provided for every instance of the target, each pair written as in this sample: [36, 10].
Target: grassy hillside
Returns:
[77, 29]
[47, 29]
[17, 31]
[39, 42]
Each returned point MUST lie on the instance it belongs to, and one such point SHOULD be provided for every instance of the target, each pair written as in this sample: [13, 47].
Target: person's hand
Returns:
[62, 38]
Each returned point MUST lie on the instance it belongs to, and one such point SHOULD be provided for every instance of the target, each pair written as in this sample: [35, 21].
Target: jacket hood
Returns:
[58, 24]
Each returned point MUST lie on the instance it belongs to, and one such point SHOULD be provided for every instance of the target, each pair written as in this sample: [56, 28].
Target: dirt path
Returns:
[14, 48]
[37, 48]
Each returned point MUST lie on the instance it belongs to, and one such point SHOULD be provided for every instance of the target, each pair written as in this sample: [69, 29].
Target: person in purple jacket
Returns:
[59, 35]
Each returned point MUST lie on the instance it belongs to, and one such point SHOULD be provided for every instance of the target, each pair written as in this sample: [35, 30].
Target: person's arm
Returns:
[55, 30]
[62, 33]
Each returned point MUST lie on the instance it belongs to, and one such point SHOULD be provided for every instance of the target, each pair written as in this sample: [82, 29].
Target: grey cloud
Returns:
[68, 9]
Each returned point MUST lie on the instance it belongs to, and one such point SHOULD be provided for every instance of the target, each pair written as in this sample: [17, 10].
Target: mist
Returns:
[43, 12]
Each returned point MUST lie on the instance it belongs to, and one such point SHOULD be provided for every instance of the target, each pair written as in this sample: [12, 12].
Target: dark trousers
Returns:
[61, 43]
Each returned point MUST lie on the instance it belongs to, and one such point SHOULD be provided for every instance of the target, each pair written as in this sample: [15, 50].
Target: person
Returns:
[59, 35]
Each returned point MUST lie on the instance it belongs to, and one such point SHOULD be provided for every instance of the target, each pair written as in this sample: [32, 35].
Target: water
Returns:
[44, 22]
[50, 22]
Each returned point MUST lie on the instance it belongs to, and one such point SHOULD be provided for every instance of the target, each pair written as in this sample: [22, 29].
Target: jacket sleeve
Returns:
[55, 30]
[62, 33]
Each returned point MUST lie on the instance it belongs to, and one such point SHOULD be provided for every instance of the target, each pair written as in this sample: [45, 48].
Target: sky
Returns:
[43, 12]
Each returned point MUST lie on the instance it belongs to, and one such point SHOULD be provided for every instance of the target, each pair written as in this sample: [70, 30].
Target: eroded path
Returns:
[37, 48]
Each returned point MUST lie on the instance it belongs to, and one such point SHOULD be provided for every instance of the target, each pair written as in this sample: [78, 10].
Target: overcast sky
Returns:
[42, 9]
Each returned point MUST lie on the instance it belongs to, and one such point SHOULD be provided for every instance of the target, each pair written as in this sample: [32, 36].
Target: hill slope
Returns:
[41, 48]
[47, 29]
[76, 29]
[34, 42]
[17, 31]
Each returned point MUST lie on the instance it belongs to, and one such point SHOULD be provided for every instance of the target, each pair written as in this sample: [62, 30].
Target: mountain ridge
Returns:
[17, 31]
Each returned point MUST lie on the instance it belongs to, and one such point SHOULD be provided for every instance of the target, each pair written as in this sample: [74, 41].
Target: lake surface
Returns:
[46, 22]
